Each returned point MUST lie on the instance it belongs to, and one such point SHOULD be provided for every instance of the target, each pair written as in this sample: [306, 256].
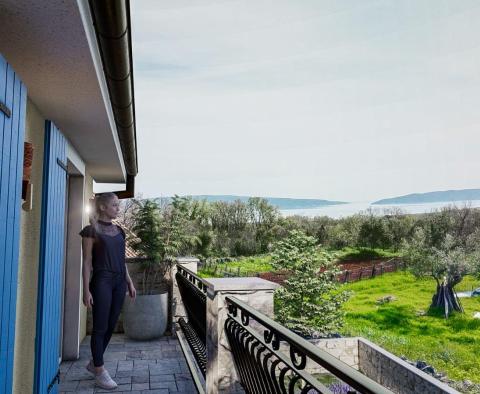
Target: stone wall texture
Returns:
[345, 349]
[394, 373]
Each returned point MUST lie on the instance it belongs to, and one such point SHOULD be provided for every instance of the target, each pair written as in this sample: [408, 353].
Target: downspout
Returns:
[111, 20]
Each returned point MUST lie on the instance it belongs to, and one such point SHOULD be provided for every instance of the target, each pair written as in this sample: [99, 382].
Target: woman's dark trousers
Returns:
[108, 291]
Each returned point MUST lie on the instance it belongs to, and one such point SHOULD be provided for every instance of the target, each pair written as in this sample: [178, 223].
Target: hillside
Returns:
[437, 196]
[280, 203]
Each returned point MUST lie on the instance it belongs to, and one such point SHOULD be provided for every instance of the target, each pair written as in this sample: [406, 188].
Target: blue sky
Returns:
[346, 100]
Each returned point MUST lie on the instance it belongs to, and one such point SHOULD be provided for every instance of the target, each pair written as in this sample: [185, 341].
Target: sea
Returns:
[349, 209]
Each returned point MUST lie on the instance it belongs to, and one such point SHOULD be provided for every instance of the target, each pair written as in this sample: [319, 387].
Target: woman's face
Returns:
[111, 209]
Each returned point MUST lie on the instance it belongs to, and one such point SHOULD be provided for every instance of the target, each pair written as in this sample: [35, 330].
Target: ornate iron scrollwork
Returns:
[264, 368]
[232, 309]
[261, 369]
[245, 318]
[300, 362]
[273, 338]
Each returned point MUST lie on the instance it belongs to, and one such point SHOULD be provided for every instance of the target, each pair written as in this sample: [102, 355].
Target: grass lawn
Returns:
[262, 263]
[451, 346]
[252, 265]
[355, 254]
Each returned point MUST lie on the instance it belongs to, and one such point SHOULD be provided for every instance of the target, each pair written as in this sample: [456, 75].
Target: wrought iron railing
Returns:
[265, 369]
[191, 364]
[193, 292]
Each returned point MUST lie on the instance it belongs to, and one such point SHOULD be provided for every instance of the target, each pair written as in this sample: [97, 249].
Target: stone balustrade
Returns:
[257, 292]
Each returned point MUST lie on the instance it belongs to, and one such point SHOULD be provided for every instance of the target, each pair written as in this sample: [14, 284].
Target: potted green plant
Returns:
[161, 233]
[156, 238]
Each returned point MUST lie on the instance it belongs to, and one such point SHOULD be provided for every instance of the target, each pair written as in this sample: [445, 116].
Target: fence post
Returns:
[221, 374]
[347, 272]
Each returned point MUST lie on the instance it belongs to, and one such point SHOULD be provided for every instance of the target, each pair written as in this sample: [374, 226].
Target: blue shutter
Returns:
[13, 97]
[51, 261]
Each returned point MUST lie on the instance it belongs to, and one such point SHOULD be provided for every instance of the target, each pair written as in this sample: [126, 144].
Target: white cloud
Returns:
[342, 100]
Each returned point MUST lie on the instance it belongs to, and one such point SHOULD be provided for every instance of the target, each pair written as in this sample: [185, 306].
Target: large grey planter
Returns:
[146, 317]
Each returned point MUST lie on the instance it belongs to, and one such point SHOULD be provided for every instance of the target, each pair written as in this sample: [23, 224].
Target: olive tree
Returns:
[446, 262]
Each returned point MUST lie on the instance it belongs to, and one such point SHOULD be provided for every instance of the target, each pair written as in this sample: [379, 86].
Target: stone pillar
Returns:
[178, 311]
[258, 293]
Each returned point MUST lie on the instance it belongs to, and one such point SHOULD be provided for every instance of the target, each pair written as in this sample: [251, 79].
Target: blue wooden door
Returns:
[13, 97]
[50, 278]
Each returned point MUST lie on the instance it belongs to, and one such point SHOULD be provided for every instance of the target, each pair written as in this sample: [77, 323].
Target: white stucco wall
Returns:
[87, 195]
[28, 261]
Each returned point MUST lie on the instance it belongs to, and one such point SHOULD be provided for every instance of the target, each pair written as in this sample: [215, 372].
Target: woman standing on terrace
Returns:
[103, 245]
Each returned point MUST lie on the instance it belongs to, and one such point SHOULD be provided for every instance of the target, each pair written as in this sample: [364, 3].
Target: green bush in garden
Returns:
[309, 302]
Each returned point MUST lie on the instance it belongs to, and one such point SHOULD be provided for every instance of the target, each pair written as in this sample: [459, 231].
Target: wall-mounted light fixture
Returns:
[89, 207]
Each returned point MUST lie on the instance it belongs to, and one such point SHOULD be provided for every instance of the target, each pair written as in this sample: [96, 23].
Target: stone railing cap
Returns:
[239, 284]
[187, 259]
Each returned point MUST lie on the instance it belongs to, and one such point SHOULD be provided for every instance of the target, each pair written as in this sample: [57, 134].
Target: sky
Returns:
[344, 100]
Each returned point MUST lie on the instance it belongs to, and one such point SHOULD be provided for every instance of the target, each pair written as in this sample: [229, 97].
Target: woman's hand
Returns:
[87, 299]
[132, 292]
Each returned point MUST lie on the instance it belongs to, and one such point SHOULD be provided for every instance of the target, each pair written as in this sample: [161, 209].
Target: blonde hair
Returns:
[100, 199]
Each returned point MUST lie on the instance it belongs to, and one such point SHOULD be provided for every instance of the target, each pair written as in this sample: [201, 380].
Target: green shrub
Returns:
[361, 254]
[309, 302]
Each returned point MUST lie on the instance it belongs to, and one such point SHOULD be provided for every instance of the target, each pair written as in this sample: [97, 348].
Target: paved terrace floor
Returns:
[156, 367]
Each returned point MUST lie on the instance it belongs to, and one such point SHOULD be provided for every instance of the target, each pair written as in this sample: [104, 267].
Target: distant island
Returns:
[280, 203]
[438, 196]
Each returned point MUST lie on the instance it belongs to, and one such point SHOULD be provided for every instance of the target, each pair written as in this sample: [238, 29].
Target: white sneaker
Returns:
[105, 381]
[90, 367]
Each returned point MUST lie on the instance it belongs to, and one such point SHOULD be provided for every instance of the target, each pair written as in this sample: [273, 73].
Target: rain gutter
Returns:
[111, 20]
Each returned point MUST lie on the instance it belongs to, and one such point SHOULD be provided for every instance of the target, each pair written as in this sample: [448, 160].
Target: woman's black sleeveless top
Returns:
[108, 253]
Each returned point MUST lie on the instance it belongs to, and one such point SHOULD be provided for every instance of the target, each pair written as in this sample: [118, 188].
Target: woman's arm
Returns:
[131, 288]
[87, 245]
[127, 275]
